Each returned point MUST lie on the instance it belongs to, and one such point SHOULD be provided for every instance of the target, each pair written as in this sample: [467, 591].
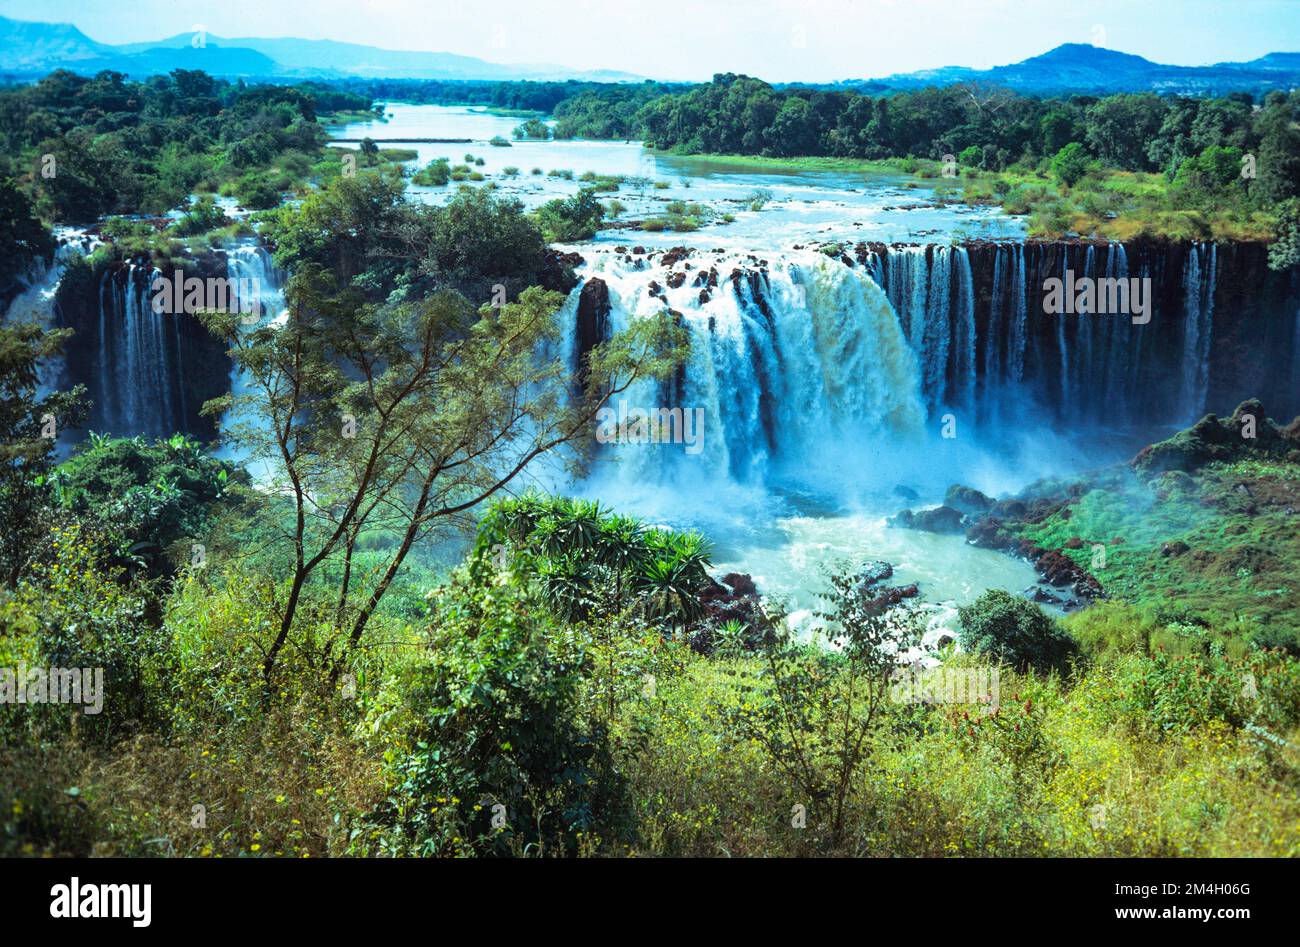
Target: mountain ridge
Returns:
[29, 47]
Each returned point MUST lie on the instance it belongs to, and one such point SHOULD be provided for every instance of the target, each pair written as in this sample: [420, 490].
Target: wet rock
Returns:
[967, 499]
[907, 493]
[675, 254]
[1212, 438]
[1057, 569]
[1009, 510]
[989, 533]
[875, 571]
[741, 583]
[1036, 593]
[941, 519]
[593, 315]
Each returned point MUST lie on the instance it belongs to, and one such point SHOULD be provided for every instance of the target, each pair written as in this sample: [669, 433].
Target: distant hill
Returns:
[1078, 67]
[29, 48]
[26, 45]
[37, 48]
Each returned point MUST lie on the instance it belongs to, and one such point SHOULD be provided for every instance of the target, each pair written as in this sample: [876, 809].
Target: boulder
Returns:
[967, 500]
[741, 583]
[941, 519]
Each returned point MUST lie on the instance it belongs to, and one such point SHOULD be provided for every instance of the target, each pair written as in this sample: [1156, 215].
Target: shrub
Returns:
[571, 218]
[1014, 630]
[494, 752]
[1070, 164]
[435, 174]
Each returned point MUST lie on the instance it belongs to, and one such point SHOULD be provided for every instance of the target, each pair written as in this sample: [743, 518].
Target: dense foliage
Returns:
[86, 146]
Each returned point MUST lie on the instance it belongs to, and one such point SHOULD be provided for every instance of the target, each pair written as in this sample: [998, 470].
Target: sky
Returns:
[777, 40]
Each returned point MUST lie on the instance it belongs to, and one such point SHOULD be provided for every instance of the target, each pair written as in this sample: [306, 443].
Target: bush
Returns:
[572, 218]
[1070, 164]
[435, 174]
[494, 753]
[1014, 630]
[152, 499]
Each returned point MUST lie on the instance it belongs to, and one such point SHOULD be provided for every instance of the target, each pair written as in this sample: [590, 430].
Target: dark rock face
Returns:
[593, 317]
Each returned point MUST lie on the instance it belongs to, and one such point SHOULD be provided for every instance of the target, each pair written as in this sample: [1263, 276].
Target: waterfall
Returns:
[35, 300]
[964, 335]
[139, 384]
[1020, 318]
[1198, 322]
[789, 362]
[932, 291]
[802, 350]
[249, 265]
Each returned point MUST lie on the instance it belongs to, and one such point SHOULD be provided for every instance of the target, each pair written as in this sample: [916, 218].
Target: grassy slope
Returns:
[1204, 523]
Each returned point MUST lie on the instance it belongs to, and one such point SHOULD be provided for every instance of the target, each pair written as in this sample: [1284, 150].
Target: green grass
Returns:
[1242, 561]
[1105, 204]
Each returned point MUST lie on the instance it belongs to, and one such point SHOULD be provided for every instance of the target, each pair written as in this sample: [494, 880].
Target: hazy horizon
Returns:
[779, 40]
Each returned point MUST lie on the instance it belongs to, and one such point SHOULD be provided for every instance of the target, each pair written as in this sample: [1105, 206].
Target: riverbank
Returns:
[1104, 204]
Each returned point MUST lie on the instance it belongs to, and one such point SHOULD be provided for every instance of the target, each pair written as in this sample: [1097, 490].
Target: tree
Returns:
[1056, 130]
[1120, 126]
[1014, 630]
[22, 236]
[29, 423]
[1070, 164]
[401, 418]
[569, 219]
[1284, 252]
[1279, 149]
[477, 240]
[814, 709]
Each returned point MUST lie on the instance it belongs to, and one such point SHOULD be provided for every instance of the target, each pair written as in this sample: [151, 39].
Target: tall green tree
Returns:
[401, 418]
[30, 421]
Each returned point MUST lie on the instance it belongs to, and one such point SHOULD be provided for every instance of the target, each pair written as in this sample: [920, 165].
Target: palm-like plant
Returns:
[670, 579]
[570, 527]
[567, 586]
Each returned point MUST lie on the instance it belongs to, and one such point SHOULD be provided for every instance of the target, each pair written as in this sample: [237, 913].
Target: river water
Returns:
[824, 498]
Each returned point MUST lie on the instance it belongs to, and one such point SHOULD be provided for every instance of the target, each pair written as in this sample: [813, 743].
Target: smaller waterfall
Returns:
[36, 299]
[1198, 323]
[249, 266]
[139, 384]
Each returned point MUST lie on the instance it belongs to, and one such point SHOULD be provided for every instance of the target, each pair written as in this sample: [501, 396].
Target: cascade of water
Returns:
[251, 271]
[1086, 392]
[1020, 317]
[936, 333]
[36, 297]
[787, 363]
[1060, 336]
[1198, 320]
[964, 332]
